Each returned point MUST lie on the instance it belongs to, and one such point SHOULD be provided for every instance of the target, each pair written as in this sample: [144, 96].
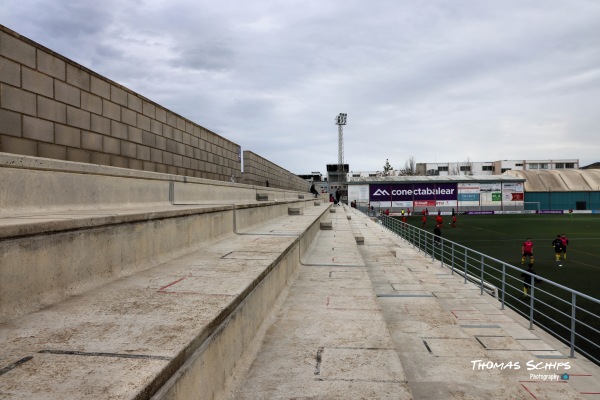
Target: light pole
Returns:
[340, 121]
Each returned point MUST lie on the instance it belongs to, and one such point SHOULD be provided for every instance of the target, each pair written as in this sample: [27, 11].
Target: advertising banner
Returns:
[402, 204]
[437, 191]
[474, 197]
[446, 203]
[465, 195]
[491, 194]
[468, 188]
[381, 204]
[490, 187]
[512, 192]
[424, 203]
[468, 194]
[379, 192]
[431, 193]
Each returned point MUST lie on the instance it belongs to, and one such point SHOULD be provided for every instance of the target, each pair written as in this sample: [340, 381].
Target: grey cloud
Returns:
[432, 79]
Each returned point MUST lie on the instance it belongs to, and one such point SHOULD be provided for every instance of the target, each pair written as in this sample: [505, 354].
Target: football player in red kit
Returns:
[527, 251]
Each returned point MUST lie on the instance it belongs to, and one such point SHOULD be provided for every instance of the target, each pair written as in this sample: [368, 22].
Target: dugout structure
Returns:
[561, 190]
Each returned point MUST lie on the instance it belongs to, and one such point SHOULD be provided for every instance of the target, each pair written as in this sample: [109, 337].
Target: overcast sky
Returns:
[436, 80]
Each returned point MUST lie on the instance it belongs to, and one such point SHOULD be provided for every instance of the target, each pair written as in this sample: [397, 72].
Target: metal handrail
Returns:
[494, 277]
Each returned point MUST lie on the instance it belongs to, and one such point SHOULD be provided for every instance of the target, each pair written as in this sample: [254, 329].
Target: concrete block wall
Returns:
[52, 107]
[258, 170]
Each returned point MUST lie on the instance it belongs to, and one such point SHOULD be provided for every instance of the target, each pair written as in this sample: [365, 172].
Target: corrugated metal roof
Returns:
[573, 180]
[435, 178]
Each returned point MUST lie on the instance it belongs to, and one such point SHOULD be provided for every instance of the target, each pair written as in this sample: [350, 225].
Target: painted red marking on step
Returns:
[528, 391]
[171, 284]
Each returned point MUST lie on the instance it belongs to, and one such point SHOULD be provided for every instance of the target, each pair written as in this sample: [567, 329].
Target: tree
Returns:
[454, 169]
[461, 168]
[387, 168]
[468, 167]
[410, 167]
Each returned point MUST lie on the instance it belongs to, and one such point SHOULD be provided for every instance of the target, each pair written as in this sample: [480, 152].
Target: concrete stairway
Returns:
[380, 320]
[137, 298]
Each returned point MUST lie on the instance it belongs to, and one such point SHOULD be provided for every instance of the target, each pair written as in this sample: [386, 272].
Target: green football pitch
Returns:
[501, 237]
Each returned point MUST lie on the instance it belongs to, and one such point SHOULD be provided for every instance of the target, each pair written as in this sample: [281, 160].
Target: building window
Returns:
[569, 165]
[487, 167]
[560, 165]
[442, 168]
[519, 165]
[505, 169]
[356, 175]
[465, 168]
[543, 166]
[534, 166]
[372, 175]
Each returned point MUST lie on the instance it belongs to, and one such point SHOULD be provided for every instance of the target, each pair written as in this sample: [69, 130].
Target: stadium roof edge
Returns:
[586, 180]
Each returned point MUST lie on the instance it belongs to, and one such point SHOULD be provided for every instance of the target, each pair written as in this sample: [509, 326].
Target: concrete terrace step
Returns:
[328, 338]
[51, 256]
[52, 185]
[161, 328]
[67, 227]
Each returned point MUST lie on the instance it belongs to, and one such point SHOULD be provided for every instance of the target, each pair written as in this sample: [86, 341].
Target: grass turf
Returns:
[501, 237]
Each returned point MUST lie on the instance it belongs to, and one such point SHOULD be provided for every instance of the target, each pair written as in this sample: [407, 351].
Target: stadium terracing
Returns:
[137, 262]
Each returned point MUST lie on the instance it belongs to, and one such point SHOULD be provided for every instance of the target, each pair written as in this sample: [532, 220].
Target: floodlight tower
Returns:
[340, 121]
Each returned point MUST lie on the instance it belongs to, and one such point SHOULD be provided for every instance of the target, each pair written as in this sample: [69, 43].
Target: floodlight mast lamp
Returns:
[340, 121]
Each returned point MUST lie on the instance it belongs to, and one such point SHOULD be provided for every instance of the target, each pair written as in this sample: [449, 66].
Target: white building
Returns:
[493, 167]
[365, 174]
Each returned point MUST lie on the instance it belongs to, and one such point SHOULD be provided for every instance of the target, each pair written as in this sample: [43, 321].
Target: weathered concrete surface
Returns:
[47, 257]
[330, 338]
[191, 317]
[68, 227]
[30, 184]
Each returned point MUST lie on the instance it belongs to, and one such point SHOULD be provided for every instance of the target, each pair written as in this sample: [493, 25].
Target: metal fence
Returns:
[570, 316]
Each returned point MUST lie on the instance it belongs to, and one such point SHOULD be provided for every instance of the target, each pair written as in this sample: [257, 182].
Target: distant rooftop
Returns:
[595, 165]
[435, 178]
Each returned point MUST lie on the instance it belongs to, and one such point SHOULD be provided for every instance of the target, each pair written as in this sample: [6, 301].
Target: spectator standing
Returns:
[313, 190]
